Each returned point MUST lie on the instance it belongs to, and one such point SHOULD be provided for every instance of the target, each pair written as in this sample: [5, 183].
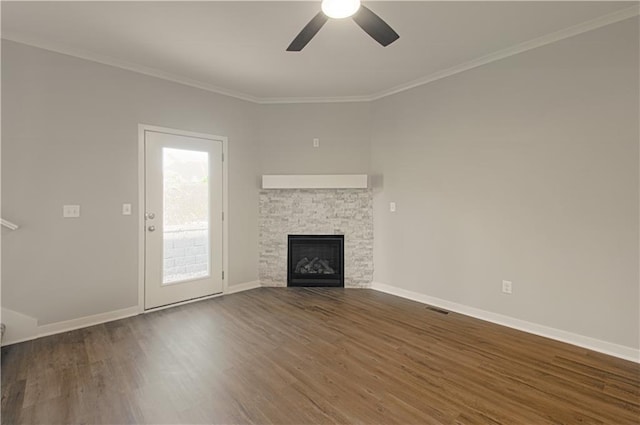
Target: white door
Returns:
[183, 218]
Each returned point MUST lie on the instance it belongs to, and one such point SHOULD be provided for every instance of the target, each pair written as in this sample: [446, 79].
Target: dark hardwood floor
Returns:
[306, 356]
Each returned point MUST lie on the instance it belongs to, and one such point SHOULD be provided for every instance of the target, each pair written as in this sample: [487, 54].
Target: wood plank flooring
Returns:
[312, 356]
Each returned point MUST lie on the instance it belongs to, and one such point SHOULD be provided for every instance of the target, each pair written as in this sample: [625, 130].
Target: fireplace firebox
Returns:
[316, 260]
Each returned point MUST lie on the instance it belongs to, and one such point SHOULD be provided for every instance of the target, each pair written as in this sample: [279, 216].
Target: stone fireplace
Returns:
[347, 213]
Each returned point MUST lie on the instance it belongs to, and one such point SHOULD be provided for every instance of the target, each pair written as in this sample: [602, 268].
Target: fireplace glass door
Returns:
[316, 260]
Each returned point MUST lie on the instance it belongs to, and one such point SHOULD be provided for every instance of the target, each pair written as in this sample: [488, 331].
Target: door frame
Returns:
[142, 202]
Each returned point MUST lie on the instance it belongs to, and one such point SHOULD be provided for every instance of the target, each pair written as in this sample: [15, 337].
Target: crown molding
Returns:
[289, 100]
[117, 63]
[572, 31]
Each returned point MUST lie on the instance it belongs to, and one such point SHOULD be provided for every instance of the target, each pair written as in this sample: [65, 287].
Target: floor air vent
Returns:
[437, 310]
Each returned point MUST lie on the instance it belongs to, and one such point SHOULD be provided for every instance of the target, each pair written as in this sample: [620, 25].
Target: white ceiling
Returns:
[238, 48]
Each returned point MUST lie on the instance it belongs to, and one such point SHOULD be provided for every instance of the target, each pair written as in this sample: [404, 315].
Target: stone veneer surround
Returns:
[347, 212]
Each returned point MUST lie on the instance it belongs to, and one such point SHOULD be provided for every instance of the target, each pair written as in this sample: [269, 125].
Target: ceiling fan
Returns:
[371, 23]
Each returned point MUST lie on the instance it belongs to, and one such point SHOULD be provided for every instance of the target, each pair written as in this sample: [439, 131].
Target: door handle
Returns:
[152, 228]
[149, 216]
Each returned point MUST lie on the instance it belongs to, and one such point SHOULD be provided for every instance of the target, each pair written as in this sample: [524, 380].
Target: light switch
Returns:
[71, 211]
[126, 209]
[392, 206]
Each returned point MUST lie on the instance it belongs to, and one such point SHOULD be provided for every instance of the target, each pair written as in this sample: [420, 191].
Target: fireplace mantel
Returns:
[315, 181]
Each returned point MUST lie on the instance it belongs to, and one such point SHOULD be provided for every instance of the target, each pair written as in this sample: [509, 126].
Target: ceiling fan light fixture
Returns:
[339, 9]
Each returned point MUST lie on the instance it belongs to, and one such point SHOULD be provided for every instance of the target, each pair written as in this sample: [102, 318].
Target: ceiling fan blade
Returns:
[373, 25]
[308, 32]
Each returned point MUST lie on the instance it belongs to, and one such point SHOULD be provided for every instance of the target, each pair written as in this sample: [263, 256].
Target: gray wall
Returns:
[286, 135]
[70, 136]
[525, 169]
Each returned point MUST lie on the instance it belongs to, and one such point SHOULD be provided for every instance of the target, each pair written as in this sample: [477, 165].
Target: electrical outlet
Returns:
[71, 211]
[392, 206]
[506, 287]
[316, 143]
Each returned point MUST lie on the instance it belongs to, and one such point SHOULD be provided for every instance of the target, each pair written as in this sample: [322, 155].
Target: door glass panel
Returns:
[186, 244]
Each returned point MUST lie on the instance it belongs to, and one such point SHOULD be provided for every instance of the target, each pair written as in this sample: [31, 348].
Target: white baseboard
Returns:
[232, 289]
[85, 322]
[21, 328]
[65, 326]
[616, 350]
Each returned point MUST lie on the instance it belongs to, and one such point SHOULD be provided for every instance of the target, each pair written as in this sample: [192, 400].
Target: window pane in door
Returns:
[185, 175]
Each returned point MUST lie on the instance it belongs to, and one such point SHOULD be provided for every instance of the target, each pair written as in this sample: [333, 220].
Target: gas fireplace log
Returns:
[309, 267]
[326, 268]
[301, 264]
[315, 266]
